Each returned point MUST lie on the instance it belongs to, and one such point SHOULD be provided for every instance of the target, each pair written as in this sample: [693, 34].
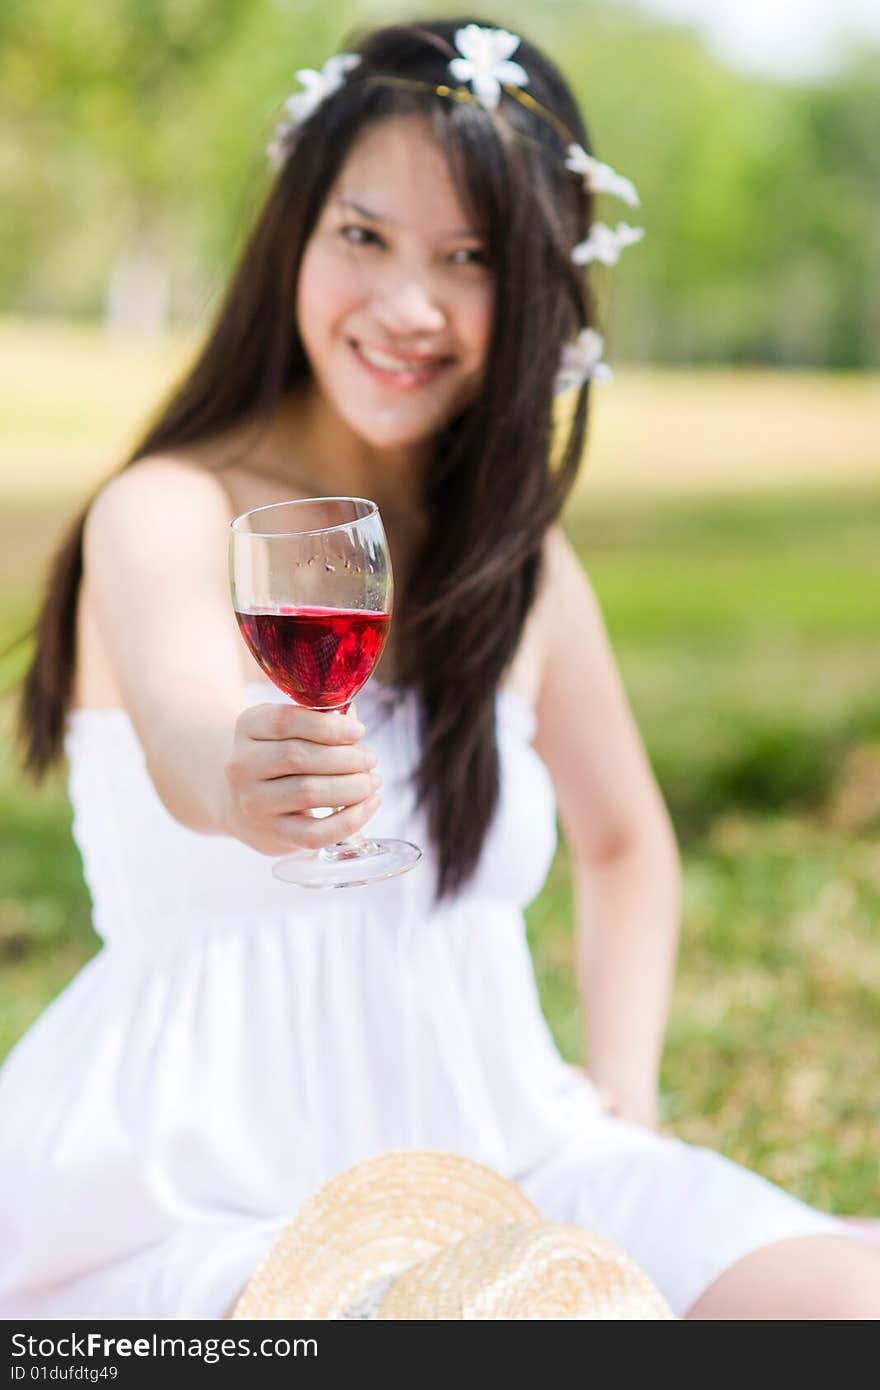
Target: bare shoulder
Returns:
[563, 570]
[565, 600]
[160, 514]
[586, 732]
[561, 580]
[153, 531]
[174, 490]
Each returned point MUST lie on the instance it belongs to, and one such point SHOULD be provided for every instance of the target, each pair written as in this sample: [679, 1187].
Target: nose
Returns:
[406, 306]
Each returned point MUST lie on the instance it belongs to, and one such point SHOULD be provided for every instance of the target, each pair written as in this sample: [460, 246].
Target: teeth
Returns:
[377, 358]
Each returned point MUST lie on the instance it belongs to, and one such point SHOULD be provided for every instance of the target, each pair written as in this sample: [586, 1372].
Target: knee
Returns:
[824, 1278]
[853, 1286]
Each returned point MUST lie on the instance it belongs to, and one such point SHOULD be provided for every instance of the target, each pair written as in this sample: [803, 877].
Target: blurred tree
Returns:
[133, 159]
[123, 109]
[842, 125]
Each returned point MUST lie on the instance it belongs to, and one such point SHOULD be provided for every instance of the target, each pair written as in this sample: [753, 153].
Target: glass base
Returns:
[347, 865]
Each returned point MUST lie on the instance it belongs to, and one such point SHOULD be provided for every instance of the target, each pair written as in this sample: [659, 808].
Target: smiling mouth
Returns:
[398, 370]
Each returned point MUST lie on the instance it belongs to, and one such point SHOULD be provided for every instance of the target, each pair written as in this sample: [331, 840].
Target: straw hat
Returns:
[418, 1234]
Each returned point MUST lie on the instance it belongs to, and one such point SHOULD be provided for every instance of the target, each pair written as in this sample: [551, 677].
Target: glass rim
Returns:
[373, 510]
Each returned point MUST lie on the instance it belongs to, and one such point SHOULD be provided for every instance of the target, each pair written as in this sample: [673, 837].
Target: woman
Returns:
[393, 330]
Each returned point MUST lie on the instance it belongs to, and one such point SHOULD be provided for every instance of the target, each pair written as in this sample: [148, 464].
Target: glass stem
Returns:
[356, 841]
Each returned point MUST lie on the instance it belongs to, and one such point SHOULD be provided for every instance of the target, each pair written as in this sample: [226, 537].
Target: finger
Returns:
[315, 834]
[268, 758]
[276, 721]
[284, 795]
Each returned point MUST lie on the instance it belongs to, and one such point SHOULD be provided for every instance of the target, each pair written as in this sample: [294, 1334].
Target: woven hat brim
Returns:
[374, 1220]
[525, 1270]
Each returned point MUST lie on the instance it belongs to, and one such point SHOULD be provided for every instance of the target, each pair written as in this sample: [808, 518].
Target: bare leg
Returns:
[810, 1278]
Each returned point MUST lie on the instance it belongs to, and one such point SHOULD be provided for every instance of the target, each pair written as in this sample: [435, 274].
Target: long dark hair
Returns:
[496, 482]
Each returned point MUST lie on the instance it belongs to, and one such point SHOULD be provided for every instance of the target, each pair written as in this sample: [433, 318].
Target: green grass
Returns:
[746, 629]
[774, 1037]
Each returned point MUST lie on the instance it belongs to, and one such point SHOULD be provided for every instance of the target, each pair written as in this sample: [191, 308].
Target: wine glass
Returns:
[312, 590]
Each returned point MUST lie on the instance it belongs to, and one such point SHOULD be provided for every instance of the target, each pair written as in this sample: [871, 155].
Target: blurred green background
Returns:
[727, 512]
[133, 152]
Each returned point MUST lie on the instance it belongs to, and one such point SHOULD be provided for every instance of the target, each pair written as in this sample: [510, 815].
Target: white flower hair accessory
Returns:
[300, 105]
[599, 177]
[319, 85]
[485, 62]
[606, 243]
[582, 361]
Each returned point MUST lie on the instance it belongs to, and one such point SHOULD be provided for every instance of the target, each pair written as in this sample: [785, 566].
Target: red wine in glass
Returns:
[313, 593]
[320, 657]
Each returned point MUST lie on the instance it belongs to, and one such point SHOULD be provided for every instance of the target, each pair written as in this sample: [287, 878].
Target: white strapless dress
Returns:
[238, 1041]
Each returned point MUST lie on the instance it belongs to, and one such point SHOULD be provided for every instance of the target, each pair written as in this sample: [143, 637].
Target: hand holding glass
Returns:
[313, 590]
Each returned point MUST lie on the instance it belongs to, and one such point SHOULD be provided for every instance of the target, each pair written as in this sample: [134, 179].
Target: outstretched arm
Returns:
[625, 861]
[156, 581]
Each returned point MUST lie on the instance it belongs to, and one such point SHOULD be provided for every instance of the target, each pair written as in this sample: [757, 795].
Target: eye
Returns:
[469, 255]
[356, 235]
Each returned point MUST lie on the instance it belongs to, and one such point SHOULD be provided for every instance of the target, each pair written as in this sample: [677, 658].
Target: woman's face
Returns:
[395, 299]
